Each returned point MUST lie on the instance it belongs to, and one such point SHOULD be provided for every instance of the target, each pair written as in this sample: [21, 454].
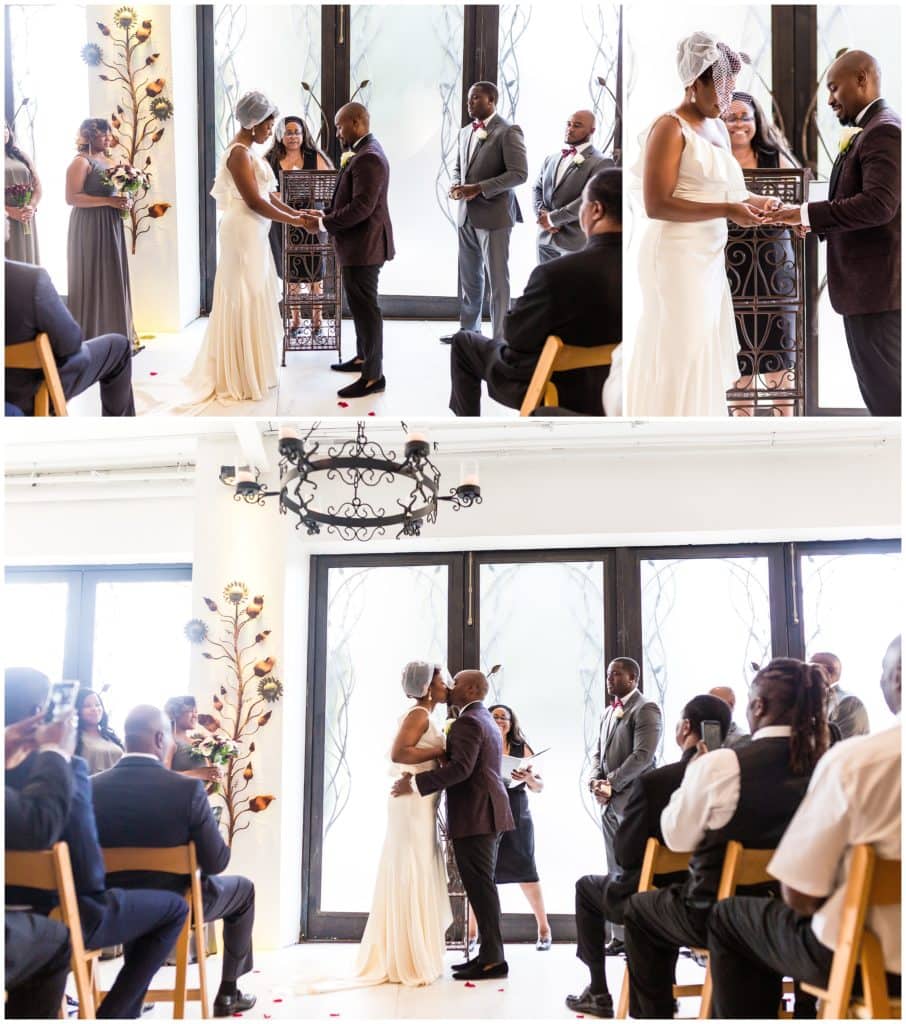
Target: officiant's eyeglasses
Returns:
[737, 118]
[499, 716]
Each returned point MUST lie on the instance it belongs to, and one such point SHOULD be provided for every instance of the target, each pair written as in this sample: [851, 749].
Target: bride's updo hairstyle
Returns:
[417, 676]
[701, 57]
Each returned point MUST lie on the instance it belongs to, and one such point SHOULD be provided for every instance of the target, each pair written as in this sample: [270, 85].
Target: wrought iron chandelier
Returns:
[358, 464]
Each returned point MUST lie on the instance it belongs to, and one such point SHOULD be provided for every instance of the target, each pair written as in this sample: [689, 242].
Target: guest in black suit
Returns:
[602, 898]
[749, 795]
[478, 813]
[174, 810]
[147, 924]
[33, 306]
[37, 950]
[578, 297]
[860, 221]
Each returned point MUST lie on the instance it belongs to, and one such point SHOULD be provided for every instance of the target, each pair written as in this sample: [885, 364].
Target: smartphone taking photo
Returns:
[711, 734]
[60, 701]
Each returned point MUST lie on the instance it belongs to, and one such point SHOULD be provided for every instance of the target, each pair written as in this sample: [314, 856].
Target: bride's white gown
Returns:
[684, 358]
[404, 939]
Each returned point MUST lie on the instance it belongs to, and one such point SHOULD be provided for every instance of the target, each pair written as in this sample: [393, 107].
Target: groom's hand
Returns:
[403, 785]
[791, 215]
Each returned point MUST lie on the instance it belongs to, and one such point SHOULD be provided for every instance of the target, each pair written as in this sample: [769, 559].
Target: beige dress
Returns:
[99, 753]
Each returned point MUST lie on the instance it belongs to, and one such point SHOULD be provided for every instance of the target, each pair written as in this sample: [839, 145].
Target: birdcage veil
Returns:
[700, 51]
[253, 108]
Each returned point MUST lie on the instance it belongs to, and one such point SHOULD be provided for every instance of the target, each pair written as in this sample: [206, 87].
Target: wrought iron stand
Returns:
[308, 260]
[458, 932]
[766, 269]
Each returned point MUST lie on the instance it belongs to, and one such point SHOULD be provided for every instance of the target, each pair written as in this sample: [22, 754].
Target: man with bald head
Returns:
[140, 802]
[844, 710]
[358, 221]
[478, 812]
[558, 189]
[735, 737]
[860, 221]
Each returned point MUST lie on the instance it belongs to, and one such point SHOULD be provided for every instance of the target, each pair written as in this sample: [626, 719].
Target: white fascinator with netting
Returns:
[700, 51]
[417, 676]
[253, 108]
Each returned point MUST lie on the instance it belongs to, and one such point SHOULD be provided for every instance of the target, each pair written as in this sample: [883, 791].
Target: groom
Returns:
[478, 812]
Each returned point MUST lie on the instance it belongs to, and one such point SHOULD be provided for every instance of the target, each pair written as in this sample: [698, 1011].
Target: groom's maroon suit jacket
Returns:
[359, 219]
[477, 803]
[860, 220]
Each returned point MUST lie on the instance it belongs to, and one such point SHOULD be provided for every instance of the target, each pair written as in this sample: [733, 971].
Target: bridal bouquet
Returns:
[215, 748]
[127, 180]
[20, 196]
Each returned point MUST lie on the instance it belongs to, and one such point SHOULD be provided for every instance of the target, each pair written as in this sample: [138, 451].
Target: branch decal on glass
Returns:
[243, 705]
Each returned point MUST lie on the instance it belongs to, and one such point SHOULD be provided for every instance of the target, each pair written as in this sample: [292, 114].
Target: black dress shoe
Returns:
[477, 971]
[447, 339]
[361, 388]
[226, 1006]
[350, 366]
[598, 1005]
[614, 948]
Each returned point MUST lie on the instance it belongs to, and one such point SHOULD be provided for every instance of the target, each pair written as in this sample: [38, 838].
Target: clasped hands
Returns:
[309, 220]
[759, 210]
[544, 221]
[464, 191]
[601, 790]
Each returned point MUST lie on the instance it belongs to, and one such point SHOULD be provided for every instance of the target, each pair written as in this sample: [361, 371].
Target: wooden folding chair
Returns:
[872, 882]
[38, 355]
[658, 860]
[556, 357]
[176, 860]
[51, 871]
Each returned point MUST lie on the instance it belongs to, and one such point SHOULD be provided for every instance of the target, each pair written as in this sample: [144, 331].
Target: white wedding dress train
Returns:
[684, 357]
[404, 939]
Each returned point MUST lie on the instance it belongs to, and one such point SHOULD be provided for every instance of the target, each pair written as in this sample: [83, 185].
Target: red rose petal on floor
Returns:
[343, 405]
[501, 990]
[372, 413]
[267, 1016]
[237, 1014]
[153, 373]
[256, 971]
[470, 984]
[279, 999]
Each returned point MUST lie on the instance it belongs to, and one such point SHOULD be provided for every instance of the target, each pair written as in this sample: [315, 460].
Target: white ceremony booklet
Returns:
[508, 765]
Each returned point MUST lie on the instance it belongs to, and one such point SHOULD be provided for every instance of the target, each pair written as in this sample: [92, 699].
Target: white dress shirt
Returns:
[565, 161]
[473, 141]
[853, 798]
[610, 721]
[708, 796]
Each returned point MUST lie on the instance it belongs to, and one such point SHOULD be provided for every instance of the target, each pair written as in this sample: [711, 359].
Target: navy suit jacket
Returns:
[84, 849]
[477, 801]
[33, 306]
[139, 802]
[36, 815]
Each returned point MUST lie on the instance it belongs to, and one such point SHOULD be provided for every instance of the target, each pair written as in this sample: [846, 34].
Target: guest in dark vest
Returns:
[748, 795]
[602, 898]
[860, 221]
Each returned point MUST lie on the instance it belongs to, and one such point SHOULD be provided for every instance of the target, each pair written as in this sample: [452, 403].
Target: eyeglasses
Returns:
[738, 119]
[501, 718]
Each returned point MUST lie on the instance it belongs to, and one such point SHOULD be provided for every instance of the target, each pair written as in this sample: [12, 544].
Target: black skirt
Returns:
[516, 853]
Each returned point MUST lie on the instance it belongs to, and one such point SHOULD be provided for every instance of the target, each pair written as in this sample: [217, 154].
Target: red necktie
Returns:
[567, 150]
[476, 125]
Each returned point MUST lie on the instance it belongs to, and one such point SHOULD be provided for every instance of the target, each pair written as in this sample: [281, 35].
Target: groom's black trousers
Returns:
[360, 285]
[874, 347]
[476, 858]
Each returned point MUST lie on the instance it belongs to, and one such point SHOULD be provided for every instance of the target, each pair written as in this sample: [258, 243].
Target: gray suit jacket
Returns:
[563, 202]
[628, 749]
[498, 164]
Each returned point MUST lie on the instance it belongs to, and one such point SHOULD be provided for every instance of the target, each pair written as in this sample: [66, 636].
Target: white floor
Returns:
[416, 365]
[535, 989]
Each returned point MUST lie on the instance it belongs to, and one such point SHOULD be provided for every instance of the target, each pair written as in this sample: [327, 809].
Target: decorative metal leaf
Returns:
[260, 803]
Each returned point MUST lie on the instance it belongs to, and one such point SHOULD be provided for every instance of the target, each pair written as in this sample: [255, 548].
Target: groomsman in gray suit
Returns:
[558, 190]
[631, 728]
[490, 163]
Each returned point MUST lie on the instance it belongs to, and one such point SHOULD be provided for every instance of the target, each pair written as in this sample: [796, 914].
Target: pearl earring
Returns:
[692, 97]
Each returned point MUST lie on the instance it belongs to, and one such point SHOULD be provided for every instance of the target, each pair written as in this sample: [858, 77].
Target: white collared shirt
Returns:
[853, 797]
[471, 702]
[564, 163]
[610, 720]
[473, 141]
[708, 796]
[136, 753]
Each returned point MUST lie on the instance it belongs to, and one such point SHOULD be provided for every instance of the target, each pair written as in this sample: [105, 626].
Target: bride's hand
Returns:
[745, 215]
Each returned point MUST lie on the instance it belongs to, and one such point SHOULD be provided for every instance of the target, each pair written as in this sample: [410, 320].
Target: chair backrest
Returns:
[176, 860]
[38, 355]
[660, 860]
[743, 867]
[557, 356]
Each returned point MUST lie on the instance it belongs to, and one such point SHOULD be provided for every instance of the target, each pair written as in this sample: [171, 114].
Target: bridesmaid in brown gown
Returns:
[22, 243]
[99, 294]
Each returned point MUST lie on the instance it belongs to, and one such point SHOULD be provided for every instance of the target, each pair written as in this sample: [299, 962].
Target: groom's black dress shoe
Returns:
[477, 972]
[598, 1005]
[361, 388]
[614, 948]
[447, 339]
[350, 366]
[226, 1006]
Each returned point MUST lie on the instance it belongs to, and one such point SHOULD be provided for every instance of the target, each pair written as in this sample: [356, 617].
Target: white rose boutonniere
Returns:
[481, 134]
[345, 158]
[618, 713]
[847, 138]
[578, 159]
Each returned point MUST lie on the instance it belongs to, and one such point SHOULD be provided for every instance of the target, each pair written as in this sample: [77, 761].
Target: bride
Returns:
[684, 358]
[404, 939]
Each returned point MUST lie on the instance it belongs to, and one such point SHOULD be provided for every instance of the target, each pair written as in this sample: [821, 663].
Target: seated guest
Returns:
[735, 736]
[37, 950]
[174, 811]
[33, 306]
[602, 898]
[146, 923]
[748, 795]
[844, 710]
[853, 798]
[96, 741]
[578, 297]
